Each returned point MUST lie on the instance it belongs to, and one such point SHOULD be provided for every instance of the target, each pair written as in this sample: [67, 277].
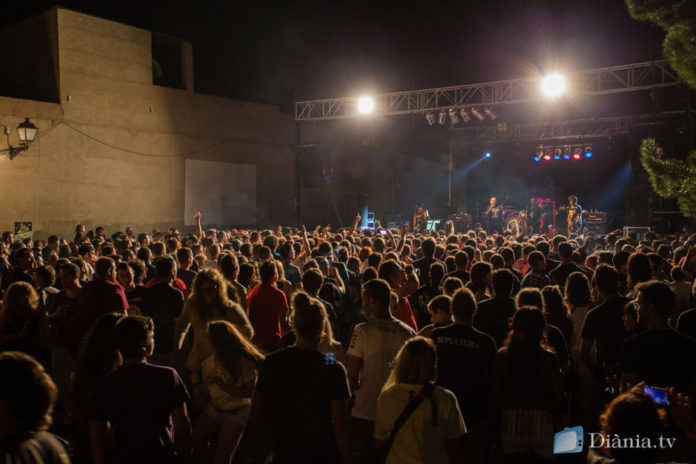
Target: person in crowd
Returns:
[268, 309]
[461, 262]
[391, 272]
[27, 397]
[480, 281]
[292, 272]
[439, 309]
[630, 414]
[163, 303]
[125, 276]
[144, 405]
[229, 266]
[566, 267]
[493, 315]
[373, 346]
[312, 282]
[100, 296]
[23, 262]
[465, 361]
[434, 429]
[660, 356]
[97, 358]
[527, 388]
[536, 277]
[639, 270]
[423, 264]
[184, 272]
[208, 302]
[303, 396]
[557, 313]
[19, 319]
[230, 375]
[451, 285]
[420, 298]
[604, 330]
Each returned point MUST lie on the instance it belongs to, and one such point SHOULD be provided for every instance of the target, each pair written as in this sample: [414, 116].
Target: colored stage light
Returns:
[576, 156]
[536, 158]
[547, 156]
[366, 105]
[566, 157]
[488, 155]
[556, 157]
[588, 152]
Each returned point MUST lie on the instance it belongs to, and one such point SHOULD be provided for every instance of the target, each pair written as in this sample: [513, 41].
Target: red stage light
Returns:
[576, 156]
[547, 157]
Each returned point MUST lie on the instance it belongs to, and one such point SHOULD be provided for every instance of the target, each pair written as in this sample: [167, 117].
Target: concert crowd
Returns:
[349, 345]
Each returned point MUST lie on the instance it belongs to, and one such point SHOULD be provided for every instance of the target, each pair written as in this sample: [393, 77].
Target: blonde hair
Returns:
[11, 308]
[309, 314]
[416, 363]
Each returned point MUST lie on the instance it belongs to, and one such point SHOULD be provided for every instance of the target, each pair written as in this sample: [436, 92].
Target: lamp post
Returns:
[27, 134]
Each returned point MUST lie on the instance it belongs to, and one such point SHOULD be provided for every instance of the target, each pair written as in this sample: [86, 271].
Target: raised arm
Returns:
[199, 229]
[354, 226]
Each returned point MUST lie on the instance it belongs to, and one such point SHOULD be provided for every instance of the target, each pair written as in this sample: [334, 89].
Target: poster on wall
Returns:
[22, 230]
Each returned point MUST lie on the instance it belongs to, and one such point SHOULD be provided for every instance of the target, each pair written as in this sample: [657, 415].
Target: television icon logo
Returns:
[569, 440]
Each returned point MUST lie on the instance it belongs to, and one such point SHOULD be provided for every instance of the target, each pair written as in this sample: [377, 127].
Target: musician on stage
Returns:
[574, 215]
[494, 214]
[420, 219]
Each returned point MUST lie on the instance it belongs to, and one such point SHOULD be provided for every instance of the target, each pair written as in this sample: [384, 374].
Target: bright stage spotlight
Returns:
[490, 113]
[430, 117]
[465, 115]
[576, 156]
[441, 118]
[477, 114]
[588, 152]
[488, 155]
[553, 85]
[547, 157]
[366, 105]
[453, 116]
[536, 158]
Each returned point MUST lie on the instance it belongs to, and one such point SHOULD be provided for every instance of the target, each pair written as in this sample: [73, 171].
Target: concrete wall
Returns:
[112, 152]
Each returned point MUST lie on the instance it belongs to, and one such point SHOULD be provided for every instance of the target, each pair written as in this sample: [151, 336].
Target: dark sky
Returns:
[276, 52]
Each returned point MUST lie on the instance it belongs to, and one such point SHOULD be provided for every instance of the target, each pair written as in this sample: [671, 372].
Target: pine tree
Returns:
[672, 178]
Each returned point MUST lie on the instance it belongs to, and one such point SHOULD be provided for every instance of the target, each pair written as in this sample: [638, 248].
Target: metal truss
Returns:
[601, 81]
[560, 130]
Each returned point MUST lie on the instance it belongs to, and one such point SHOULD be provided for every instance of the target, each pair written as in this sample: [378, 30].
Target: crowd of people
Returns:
[354, 346]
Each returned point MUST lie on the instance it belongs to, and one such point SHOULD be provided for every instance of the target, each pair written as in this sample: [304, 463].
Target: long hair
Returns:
[231, 346]
[554, 308]
[577, 290]
[14, 307]
[529, 296]
[528, 330]
[639, 269]
[97, 357]
[416, 363]
[214, 277]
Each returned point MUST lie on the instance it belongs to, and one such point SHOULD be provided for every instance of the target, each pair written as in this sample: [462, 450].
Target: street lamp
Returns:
[27, 134]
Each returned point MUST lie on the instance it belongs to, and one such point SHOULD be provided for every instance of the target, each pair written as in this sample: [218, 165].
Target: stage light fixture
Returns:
[430, 118]
[556, 157]
[488, 155]
[453, 116]
[588, 152]
[557, 152]
[566, 152]
[441, 118]
[576, 156]
[477, 114]
[536, 158]
[547, 157]
[366, 105]
[553, 85]
[465, 115]
[490, 113]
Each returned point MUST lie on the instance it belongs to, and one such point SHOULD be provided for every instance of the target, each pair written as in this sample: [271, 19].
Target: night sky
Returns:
[279, 52]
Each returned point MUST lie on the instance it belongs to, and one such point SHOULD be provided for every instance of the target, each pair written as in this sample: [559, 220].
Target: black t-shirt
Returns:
[492, 317]
[186, 276]
[292, 273]
[687, 323]
[604, 325]
[465, 359]
[661, 358]
[138, 401]
[419, 303]
[559, 275]
[163, 303]
[301, 385]
[423, 266]
[18, 275]
[461, 275]
[41, 448]
[135, 297]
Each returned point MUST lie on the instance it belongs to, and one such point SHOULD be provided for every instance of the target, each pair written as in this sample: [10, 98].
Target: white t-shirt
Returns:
[376, 342]
[418, 441]
[223, 401]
